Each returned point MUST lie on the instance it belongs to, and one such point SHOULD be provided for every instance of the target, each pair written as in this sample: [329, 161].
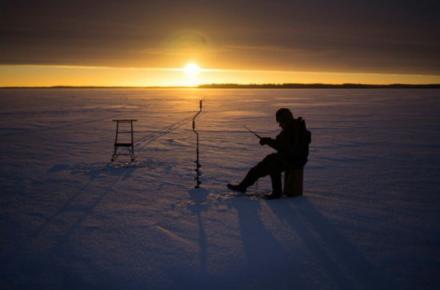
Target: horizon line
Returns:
[240, 85]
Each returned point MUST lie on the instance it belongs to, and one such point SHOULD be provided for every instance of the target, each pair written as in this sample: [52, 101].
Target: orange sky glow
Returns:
[56, 75]
[150, 43]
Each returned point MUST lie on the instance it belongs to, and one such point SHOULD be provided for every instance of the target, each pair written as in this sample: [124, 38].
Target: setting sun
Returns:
[191, 69]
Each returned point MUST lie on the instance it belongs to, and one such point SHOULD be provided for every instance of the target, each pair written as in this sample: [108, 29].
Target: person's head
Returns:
[284, 117]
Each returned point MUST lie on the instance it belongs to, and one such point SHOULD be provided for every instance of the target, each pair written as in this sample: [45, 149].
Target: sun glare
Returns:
[191, 69]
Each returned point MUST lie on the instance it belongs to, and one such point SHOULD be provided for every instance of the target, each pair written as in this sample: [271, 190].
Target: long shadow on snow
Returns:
[70, 203]
[345, 265]
[195, 277]
[198, 196]
[201, 278]
[268, 264]
[34, 266]
[265, 266]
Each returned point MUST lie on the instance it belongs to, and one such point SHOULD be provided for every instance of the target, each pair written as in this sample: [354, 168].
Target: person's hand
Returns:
[264, 141]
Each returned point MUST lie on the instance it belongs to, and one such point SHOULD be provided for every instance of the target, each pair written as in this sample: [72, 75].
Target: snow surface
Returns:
[69, 219]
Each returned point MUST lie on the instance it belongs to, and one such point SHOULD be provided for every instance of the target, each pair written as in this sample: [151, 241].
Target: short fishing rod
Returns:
[253, 132]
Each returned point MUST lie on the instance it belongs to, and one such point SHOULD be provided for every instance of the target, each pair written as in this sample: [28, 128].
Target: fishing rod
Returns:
[253, 132]
[198, 165]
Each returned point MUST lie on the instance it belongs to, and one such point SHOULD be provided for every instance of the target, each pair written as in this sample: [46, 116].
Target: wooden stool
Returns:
[293, 182]
[128, 143]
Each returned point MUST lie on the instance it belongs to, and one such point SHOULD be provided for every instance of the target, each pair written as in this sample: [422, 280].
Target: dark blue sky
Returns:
[353, 36]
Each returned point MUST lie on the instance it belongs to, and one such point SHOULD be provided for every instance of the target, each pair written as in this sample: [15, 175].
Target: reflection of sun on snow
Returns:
[191, 70]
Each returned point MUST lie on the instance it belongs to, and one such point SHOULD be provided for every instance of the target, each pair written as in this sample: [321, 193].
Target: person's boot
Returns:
[250, 178]
[272, 196]
[237, 187]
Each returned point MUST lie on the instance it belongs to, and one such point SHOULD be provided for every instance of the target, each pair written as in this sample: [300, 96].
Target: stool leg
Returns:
[293, 182]
[116, 141]
[299, 181]
[132, 142]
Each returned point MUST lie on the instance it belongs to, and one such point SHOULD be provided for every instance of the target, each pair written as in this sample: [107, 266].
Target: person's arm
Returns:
[269, 141]
[278, 143]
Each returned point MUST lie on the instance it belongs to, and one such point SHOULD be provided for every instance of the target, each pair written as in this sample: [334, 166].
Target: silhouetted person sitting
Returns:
[292, 146]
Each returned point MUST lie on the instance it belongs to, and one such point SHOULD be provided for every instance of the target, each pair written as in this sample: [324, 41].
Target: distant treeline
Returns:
[318, 86]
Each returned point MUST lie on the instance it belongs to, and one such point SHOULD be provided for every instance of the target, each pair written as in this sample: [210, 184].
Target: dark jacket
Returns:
[292, 144]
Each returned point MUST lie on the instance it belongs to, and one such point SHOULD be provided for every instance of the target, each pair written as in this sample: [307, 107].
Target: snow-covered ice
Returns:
[69, 219]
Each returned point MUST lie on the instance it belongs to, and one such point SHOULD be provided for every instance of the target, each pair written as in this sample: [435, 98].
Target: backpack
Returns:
[303, 137]
[301, 140]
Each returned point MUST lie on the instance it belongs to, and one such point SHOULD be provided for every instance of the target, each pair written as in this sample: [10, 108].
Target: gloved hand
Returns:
[264, 141]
